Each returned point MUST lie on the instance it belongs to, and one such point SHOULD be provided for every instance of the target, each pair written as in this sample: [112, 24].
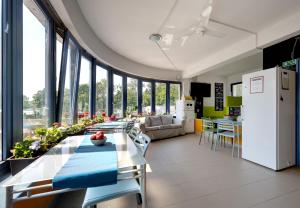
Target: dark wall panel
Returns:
[278, 53]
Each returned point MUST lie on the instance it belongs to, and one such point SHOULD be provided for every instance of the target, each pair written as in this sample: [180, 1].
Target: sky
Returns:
[33, 54]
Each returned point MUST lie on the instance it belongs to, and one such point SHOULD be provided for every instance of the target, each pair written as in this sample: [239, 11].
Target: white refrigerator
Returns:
[268, 118]
[185, 109]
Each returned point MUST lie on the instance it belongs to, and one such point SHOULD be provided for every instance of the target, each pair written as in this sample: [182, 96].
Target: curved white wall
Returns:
[71, 15]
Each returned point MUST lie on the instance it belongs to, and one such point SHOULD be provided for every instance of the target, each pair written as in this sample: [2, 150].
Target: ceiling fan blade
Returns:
[206, 13]
[183, 40]
[167, 39]
[214, 33]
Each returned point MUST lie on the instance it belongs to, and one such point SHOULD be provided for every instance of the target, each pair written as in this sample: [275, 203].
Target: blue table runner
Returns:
[89, 166]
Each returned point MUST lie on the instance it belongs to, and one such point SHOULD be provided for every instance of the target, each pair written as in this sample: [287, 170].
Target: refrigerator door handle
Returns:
[242, 113]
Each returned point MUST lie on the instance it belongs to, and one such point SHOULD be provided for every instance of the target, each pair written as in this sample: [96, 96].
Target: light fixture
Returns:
[155, 37]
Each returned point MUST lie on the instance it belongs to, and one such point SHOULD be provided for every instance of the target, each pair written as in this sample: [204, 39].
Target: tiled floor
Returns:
[186, 175]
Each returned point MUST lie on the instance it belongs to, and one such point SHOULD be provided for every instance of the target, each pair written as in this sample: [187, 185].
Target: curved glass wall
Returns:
[72, 62]
[160, 98]
[101, 90]
[0, 81]
[132, 96]
[83, 98]
[146, 103]
[35, 111]
[174, 96]
[59, 42]
[117, 95]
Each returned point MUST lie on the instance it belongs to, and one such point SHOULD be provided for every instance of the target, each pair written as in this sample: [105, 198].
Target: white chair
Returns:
[130, 184]
[142, 142]
[134, 132]
[129, 126]
[225, 129]
[208, 127]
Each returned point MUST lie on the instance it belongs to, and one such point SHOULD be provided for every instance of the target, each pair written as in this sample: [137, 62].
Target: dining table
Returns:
[26, 184]
[108, 126]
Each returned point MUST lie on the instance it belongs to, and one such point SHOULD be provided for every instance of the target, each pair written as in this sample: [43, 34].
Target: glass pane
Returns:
[69, 82]
[132, 99]
[160, 98]
[237, 89]
[59, 44]
[174, 96]
[34, 47]
[83, 106]
[0, 81]
[146, 98]
[101, 90]
[118, 85]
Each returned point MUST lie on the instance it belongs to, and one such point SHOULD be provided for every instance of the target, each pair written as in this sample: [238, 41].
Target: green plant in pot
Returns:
[86, 121]
[53, 135]
[75, 129]
[41, 132]
[25, 152]
[98, 119]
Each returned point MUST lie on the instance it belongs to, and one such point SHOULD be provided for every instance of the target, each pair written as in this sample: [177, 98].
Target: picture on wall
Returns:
[219, 97]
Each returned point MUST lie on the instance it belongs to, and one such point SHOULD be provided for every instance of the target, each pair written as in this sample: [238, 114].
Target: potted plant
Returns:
[28, 150]
[25, 152]
[41, 132]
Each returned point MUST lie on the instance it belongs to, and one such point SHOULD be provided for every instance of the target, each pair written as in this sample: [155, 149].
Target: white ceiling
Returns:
[125, 26]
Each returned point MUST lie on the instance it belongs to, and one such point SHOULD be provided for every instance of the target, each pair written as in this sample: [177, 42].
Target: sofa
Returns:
[161, 127]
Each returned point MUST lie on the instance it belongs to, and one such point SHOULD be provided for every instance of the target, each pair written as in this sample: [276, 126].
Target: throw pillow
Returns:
[155, 121]
[167, 120]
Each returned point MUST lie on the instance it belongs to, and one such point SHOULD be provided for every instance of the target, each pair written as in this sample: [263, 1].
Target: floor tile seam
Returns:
[275, 197]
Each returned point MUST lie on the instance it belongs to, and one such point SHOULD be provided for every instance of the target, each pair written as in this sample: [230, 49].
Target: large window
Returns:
[118, 85]
[83, 106]
[0, 81]
[146, 98]
[58, 58]
[160, 98]
[34, 52]
[101, 90]
[174, 96]
[132, 98]
[236, 89]
[72, 61]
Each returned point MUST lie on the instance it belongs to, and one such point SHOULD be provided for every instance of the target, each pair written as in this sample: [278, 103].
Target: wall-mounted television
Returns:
[200, 89]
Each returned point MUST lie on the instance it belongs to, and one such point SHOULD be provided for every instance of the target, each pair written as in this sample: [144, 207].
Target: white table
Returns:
[47, 166]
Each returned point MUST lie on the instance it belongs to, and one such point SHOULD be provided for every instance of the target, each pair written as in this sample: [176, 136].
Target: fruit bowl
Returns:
[98, 142]
[98, 139]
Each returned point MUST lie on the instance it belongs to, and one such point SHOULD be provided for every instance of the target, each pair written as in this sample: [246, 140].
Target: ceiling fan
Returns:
[200, 28]
[165, 39]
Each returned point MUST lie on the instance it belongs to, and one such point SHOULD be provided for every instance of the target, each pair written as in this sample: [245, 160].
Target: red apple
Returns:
[93, 137]
[103, 114]
[99, 137]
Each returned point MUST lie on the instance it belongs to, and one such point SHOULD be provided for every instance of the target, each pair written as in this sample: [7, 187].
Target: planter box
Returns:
[16, 165]
[77, 133]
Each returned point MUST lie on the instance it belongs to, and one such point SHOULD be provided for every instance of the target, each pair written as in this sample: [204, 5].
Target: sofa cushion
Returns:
[166, 120]
[171, 126]
[165, 127]
[152, 128]
[155, 121]
[147, 122]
